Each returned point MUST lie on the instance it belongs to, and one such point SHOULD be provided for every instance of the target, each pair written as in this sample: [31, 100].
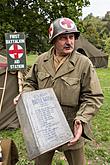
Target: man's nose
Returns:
[68, 40]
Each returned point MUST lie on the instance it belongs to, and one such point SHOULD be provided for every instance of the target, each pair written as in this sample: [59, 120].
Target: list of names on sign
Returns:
[47, 121]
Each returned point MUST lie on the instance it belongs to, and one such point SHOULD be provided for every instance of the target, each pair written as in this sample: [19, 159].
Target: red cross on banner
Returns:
[66, 23]
[16, 51]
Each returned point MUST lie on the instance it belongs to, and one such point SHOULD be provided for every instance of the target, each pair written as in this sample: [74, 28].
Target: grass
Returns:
[30, 59]
[98, 151]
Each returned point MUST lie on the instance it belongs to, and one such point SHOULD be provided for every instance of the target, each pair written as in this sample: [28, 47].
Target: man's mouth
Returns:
[68, 46]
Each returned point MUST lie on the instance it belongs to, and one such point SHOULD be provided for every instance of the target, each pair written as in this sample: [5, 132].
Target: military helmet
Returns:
[62, 26]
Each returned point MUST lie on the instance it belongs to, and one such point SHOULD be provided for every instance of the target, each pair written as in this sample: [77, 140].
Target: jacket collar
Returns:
[67, 67]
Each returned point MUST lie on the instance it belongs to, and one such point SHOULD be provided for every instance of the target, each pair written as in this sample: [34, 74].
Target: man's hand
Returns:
[77, 132]
[15, 101]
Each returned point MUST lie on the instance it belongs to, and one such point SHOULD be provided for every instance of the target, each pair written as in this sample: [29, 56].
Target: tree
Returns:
[97, 31]
[34, 16]
[93, 31]
[107, 46]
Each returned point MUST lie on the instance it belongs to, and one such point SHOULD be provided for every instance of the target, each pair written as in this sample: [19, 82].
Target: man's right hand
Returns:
[15, 101]
[77, 132]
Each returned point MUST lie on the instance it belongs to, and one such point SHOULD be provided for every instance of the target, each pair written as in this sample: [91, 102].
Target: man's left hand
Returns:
[77, 132]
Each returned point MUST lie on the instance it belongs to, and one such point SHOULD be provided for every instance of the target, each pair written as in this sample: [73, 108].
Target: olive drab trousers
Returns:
[74, 157]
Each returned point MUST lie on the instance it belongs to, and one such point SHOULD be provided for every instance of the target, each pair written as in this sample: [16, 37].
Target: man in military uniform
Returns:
[75, 84]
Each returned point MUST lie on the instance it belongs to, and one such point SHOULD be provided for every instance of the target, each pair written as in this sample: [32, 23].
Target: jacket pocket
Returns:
[70, 90]
[43, 79]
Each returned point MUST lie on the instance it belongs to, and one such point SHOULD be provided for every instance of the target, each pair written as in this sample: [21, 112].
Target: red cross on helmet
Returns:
[62, 26]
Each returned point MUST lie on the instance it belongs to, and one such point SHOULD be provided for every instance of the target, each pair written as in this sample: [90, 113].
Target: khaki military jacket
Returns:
[76, 86]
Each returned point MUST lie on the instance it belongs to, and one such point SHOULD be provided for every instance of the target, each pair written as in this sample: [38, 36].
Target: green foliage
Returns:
[34, 16]
[97, 31]
[93, 30]
[107, 45]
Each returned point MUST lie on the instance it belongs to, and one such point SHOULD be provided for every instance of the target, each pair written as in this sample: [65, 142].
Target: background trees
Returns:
[97, 31]
[34, 16]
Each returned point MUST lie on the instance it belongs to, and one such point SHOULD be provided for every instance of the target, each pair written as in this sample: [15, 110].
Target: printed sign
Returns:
[42, 121]
[16, 50]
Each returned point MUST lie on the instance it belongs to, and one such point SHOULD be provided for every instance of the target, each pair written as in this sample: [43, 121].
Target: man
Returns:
[75, 84]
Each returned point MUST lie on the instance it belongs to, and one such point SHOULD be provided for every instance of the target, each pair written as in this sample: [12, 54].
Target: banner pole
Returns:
[20, 81]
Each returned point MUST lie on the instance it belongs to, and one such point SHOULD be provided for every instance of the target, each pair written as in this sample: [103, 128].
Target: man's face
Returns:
[64, 44]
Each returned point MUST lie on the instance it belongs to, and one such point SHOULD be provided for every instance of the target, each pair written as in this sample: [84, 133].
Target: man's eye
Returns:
[63, 37]
[71, 37]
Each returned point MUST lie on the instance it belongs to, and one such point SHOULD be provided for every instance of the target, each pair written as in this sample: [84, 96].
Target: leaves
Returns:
[97, 31]
[34, 16]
